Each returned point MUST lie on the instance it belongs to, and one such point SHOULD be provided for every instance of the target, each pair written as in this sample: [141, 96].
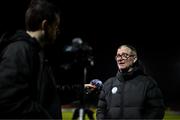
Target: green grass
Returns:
[169, 115]
[67, 115]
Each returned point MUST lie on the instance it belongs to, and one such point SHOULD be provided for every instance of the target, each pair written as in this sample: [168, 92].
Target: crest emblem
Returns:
[114, 90]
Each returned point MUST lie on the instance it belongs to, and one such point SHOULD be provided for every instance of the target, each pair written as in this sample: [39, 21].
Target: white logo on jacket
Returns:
[114, 90]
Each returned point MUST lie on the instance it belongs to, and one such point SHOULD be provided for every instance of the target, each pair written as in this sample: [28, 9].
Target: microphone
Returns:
[98, 83]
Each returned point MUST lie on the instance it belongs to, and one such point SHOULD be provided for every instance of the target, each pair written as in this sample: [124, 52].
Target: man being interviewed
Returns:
[131, 94]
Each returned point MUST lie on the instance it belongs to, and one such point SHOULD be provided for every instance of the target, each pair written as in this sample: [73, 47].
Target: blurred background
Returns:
[152, 27]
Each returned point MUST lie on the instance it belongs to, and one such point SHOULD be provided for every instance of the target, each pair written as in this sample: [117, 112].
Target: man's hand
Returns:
[90, 87]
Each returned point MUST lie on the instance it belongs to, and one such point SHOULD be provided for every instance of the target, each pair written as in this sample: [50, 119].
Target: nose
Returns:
[58, 31]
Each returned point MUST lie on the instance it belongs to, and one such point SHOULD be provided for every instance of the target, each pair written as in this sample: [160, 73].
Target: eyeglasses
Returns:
[124, 56]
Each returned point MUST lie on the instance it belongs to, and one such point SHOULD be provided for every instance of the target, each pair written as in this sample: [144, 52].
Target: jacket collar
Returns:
[124, 76]
[22, 35]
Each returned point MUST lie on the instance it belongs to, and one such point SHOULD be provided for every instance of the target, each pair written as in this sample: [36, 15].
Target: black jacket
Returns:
[27, 90]
[132, 95]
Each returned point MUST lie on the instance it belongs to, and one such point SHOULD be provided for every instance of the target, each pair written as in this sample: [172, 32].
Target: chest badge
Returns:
[114, 90]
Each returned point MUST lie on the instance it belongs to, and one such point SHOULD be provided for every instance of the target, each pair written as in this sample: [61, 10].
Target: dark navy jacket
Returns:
[132, 95]
[27, 90]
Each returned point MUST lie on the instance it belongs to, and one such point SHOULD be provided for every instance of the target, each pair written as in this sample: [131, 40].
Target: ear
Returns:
[135, 59]
[44, 24]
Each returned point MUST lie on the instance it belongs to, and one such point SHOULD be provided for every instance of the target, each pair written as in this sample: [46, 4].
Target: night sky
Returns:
[152, 27]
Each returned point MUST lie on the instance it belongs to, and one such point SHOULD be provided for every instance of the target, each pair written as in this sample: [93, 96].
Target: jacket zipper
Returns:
[122, 101]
